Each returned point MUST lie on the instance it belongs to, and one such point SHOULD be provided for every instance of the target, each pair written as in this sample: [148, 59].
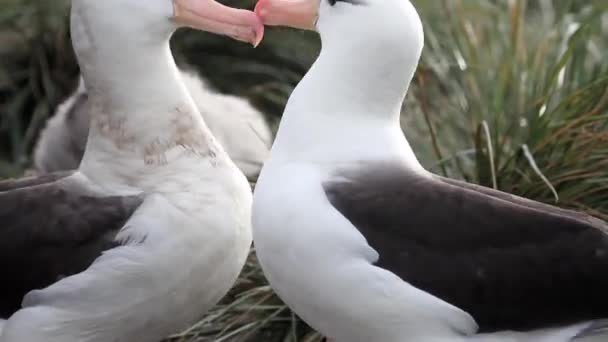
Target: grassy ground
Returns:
[509, 94]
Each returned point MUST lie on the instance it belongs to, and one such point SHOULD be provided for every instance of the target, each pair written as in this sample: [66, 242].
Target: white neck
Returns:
[141, 109]
[349, 98]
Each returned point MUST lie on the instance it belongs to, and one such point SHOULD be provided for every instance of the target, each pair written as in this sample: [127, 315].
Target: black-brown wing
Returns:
[53, 230]
[575, 215]
[511, 263]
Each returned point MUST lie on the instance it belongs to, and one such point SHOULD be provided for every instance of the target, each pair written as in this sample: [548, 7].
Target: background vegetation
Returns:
[509, 94]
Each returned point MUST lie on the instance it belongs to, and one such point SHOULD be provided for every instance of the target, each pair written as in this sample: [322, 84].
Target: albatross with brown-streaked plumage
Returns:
[153, 228]
[241, 129]
[367, 246]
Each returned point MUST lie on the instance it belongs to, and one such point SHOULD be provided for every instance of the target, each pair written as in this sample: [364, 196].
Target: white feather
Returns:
[240, 128]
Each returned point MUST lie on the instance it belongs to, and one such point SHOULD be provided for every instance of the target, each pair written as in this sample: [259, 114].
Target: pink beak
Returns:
[211, 16]
[300, 14]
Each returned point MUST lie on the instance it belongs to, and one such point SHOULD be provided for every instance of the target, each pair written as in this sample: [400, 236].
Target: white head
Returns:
[353, 21]
[157, 19]
[373, 44]
[127, 35]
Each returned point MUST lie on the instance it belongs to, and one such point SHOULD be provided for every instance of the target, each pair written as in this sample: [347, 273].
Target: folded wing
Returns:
[52, 227]
[513, 264]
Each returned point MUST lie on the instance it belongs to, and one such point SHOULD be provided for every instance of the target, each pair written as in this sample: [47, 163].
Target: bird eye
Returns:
[353, 2]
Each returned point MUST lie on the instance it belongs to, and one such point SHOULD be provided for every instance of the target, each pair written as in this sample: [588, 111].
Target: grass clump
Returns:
[37, 68]
[515, 97]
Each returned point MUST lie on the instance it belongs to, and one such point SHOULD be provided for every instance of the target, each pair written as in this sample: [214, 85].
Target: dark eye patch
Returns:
[352, 2]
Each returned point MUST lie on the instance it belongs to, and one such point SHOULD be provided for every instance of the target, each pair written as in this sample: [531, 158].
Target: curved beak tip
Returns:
[258, 34]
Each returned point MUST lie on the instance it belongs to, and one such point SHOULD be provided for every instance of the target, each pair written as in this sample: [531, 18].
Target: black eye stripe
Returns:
[353, 2]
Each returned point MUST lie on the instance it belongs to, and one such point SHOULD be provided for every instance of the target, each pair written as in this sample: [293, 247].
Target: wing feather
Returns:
[512, 263]
[53, 229]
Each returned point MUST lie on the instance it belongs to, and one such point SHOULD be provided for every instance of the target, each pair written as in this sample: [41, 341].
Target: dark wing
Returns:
[526, 202]
[53, 230]
[513, 264]
[12, 184]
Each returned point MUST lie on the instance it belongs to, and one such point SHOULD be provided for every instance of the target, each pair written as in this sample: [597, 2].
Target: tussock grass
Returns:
[516, 98]
[37, 68]
[509, 94]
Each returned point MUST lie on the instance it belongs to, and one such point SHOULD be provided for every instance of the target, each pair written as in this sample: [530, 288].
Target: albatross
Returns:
[240, 128]
[154, 227]
[367, 246]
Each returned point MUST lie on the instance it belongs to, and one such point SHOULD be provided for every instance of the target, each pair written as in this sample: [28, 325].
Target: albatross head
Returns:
[129, 39]
[151, 17]
[370, 52]
[389, 24]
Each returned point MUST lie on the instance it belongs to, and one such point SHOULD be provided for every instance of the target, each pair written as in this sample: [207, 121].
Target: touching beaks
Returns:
[211, 16]
[300, 14]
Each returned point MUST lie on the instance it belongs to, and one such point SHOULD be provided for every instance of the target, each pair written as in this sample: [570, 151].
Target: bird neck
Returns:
[346, 101]
[140, 108]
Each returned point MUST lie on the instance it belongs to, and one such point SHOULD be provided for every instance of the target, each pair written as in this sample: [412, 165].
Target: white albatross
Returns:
[154, 227]
[240, 128]
[367, 246]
